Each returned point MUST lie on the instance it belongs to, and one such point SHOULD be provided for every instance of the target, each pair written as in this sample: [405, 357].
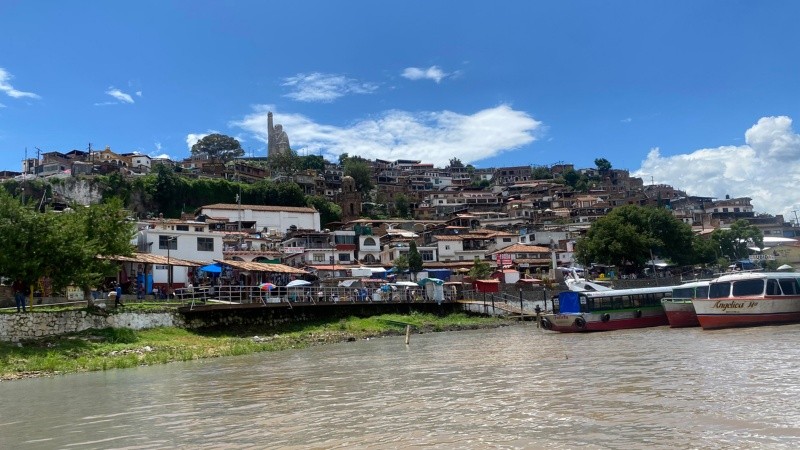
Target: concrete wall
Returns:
[16, 327]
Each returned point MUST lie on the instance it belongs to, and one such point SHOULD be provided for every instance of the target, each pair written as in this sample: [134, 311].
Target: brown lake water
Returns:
[514, 387]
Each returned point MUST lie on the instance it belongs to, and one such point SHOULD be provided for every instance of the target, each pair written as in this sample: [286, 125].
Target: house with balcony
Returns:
[188, 240]
[462, 247]
[266, 217]
[524, 256]
[316, 248]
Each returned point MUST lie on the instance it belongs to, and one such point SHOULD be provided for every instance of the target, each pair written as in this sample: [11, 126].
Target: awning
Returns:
[261, 267]
[211, 268]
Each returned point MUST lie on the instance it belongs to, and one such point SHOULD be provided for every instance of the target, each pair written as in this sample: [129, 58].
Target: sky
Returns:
[697, 94]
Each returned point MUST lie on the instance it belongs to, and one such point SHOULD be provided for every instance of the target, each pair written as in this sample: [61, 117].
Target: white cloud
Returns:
[192, 138]
[158, 146]
[626, 120]
[431, 73]
[138, 93]
[766, 168]
[322, 87]
[5, 86]
[119, 95]
[433, 137]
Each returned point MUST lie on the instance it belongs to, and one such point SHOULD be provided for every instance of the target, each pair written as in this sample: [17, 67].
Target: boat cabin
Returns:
[617, 299]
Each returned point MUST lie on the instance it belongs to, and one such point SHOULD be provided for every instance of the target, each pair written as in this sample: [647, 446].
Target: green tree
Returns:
[401, 206]
[313, 162]
[400, 264]
[218, 147]
[480, 269]
[541, 173]
[603, 165]
[414, 259]
[328, 211]
[733, 242]
[571, 178]
[631, 235]
[455, 163]
[169, 192]
[69, 248]
[286, 163]
[361, 172]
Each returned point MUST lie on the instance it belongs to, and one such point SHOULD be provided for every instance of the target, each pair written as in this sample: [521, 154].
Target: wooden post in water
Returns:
[408, 333]
[521, 312]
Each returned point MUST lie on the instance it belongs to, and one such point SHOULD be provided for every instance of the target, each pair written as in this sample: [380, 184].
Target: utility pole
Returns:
[795, 218]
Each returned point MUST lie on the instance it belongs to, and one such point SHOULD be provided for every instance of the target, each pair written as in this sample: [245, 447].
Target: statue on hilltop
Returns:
[277, 139]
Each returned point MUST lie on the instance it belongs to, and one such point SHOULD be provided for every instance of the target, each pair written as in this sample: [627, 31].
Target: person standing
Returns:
[19, 294]
[118, 297]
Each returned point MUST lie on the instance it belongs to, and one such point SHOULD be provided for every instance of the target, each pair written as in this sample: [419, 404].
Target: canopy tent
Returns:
[298, 283]
[435, 281]
[211, 268]
[434, 288]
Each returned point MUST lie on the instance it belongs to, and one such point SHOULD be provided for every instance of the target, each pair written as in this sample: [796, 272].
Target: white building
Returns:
[269, 218]
[180, 239]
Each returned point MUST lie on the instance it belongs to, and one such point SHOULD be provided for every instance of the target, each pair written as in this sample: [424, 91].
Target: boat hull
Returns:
[605, 321]
[681, 314]
[747, 312]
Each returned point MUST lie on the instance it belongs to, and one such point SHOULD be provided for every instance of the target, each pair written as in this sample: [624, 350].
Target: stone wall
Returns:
[17, 327]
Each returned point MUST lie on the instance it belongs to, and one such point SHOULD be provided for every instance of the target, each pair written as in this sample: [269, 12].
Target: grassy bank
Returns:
[122, 348]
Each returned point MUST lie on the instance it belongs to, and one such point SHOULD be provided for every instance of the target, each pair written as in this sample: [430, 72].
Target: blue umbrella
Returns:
[211, 268]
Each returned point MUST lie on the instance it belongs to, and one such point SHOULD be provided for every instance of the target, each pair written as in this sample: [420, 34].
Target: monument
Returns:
[277, 139]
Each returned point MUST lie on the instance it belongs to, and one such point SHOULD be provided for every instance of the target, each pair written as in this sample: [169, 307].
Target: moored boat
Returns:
[679, 307]
[750, 299]
[615, 309]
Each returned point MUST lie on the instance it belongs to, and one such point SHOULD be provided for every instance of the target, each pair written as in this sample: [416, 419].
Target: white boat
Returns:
[679, 307]
[750, 299]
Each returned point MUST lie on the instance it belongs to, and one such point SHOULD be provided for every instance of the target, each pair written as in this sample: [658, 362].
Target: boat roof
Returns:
[755, 276]
[694, 284]
[615, 292]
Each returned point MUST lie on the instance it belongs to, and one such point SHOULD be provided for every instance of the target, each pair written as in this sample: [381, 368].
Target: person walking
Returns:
[19, 294]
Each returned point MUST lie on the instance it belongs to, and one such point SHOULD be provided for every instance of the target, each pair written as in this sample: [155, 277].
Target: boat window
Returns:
[719, 290]
[701, 292]
[748, 287]
[683, 293]
[773, 288]
[790, 286]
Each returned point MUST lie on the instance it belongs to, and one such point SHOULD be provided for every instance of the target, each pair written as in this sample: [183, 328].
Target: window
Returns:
[508, 239]
[198, 229]
[427, 255]
[719, 290]
[318, 257]
[344, 256]
[748, 287]
[773, 288]
[369, 242]
[167, 242]
[790, 286]
[447, 247]
[205, 244]
[182, 227]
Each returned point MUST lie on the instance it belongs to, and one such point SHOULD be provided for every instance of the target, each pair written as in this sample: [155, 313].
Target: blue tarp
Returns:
[211, 268]
[569, 302]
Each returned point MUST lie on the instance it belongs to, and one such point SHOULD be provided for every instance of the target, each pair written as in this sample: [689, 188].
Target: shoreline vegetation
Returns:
[120, 348]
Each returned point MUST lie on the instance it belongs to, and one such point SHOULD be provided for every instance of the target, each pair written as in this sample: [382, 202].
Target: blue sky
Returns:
[697, 94]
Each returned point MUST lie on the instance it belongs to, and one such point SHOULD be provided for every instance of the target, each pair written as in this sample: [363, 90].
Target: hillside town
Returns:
[522, 220]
